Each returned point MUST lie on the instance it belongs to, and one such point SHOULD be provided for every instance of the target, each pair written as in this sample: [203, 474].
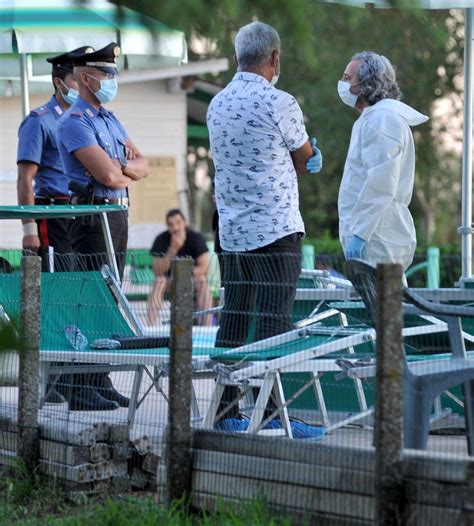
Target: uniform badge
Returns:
[59, 110]
[89, 112]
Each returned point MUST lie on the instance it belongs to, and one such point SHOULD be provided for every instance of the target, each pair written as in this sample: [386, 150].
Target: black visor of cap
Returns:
[69, 68]
[104, 59]
[65, 60]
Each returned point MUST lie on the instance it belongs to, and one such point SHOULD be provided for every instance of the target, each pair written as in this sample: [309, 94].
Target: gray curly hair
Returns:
[377, 79]
[255, 43]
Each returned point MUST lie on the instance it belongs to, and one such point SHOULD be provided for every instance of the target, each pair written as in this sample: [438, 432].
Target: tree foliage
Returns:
[318, 40]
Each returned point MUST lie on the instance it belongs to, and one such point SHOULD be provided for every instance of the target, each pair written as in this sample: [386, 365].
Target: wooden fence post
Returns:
[28, 394]
[178, 447]
[388, 432]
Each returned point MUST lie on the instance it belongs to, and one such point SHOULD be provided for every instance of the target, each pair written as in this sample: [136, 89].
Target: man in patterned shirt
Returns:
[259, 146]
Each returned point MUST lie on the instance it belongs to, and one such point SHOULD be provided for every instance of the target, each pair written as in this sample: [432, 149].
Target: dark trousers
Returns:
[258, 284]
[88, 242]
[55, 233]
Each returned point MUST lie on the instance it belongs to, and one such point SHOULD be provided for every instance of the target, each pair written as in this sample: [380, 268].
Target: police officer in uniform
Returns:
[41, 179]
[99, 156]
[102, 162]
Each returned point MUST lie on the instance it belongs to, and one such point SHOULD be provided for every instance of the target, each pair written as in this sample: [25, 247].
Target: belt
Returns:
[57, 199]
[81, 200]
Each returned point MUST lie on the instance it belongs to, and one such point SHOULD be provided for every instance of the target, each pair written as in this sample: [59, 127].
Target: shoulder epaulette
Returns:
[42, 110]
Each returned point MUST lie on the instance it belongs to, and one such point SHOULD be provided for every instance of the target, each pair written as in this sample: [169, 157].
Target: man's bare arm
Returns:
[300, 158]
[201, 265]
[26, 173]
[137, 166]
[161, 264]
[102, 168]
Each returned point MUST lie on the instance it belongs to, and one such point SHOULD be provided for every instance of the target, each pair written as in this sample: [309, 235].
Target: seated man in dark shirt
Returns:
[179, 241]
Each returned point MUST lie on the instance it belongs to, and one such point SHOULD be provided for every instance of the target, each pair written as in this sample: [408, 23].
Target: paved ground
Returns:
[151, 418]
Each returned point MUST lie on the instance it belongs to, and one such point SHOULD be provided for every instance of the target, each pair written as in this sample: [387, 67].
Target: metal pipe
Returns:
[432, 269]
[25, 101]
[465, 230]
[110, 246]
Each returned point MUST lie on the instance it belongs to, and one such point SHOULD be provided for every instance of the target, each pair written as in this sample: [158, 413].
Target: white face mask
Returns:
[71, 94]
[276, 76]
[107, 91]
[344, 90]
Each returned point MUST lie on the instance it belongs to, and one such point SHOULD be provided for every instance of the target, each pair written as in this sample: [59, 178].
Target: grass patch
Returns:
[24, 495]
[136, 511]
[32, 500]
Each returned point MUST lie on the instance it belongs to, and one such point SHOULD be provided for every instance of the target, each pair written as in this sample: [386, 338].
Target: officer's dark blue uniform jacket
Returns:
[82, 126]
[37, 144]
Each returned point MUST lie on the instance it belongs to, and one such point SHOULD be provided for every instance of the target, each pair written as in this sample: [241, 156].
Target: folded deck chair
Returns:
[205, 336]
[203, 342]
[313, 347]
[425, 379]
[74, 299]
[85, 300]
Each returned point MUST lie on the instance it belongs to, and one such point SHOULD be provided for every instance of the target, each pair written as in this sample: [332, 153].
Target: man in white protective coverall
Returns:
[374, 221]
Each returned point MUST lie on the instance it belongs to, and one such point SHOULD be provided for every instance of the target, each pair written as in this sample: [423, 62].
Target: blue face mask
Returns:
[71, 94]
[108, 89]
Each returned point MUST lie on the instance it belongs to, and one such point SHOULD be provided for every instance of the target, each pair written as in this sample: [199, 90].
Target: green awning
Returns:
[49, 26]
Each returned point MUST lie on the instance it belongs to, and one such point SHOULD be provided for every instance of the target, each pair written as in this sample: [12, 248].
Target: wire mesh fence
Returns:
[284, 368]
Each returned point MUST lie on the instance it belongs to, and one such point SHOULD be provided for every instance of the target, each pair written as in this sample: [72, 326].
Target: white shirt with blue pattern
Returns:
[253, 127]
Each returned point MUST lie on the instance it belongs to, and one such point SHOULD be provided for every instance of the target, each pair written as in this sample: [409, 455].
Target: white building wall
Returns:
[156, 122]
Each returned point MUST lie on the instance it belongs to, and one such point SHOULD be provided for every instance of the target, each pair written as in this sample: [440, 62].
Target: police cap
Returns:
[104, 59]
[64, 61]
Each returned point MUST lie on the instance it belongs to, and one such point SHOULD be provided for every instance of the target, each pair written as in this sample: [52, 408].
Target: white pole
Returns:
[110, 246]
[51, 259]
[466, 228]
[25, 101]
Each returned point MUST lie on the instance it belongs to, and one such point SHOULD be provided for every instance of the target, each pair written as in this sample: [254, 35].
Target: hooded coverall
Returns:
[377, 184]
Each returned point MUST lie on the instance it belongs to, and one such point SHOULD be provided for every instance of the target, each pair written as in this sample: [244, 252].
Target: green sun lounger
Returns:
[85, 300]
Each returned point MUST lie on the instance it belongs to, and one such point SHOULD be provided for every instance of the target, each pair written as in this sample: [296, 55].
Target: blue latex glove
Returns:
[355, 247]
[314, 163]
